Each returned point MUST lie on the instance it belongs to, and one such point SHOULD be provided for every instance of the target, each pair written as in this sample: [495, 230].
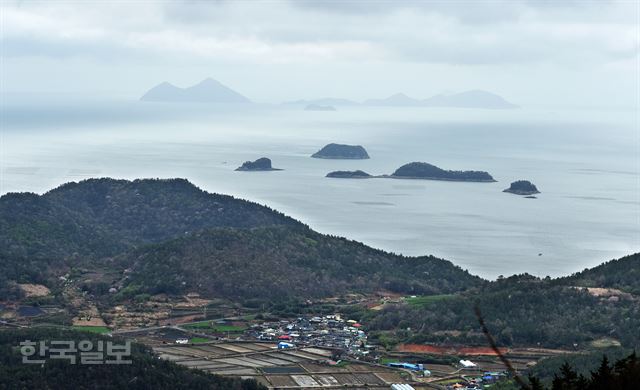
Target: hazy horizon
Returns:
[529, 52]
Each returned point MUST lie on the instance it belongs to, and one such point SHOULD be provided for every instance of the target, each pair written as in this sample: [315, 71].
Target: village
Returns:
[327, 351]
[328, 331]
[286, 352]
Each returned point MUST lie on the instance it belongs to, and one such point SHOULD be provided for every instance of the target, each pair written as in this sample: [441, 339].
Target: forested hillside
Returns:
[112, 225]
[103, 217]
[519, 310]
[281, 262]
[622, 274]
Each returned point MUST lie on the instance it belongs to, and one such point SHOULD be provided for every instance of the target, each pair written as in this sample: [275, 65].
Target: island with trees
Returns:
[522, 187]
[421, 170]
[261, 164]
[349, 174]
[339, 151]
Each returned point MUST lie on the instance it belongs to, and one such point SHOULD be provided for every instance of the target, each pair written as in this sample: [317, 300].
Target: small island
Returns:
[421, 170]
[338, 151]
[349, 174]
[319, 107]
[261, 164]
[522, 187]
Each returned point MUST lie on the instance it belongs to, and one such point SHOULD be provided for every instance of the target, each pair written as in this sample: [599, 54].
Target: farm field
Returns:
[92, 329]
[295, 369]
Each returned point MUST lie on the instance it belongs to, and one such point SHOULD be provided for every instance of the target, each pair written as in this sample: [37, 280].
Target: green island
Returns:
[261, 164]
[349, 174]
[341, 151]
[422, 170]
[522, 187]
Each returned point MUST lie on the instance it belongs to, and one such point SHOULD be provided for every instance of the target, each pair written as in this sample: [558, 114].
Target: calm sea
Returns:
[585, 162]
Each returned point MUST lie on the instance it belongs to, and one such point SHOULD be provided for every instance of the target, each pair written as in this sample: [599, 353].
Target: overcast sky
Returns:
[530, 52]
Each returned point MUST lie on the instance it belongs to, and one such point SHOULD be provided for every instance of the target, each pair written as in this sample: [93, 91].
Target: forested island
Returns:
[421, 170]
[340, 151]
[261, 164]
[349, 174]
[522, 187]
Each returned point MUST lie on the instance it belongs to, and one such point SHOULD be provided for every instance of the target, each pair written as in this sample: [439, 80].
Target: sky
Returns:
[574, 53]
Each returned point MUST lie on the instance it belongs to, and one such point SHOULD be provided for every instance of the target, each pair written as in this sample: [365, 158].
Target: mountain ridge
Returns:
[475, 98]
[89, 224]
[206, 91]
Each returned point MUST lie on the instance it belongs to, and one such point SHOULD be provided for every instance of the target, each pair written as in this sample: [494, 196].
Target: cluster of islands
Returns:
[212, 91]
[412, 170]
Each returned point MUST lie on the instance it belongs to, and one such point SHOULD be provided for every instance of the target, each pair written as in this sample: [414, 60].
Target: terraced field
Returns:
[299, 368]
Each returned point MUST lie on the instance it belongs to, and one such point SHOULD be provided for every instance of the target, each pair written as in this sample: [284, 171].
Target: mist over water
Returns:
[584, 162]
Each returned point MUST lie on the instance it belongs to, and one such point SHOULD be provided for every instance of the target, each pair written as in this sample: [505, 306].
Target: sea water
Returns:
[585, 162]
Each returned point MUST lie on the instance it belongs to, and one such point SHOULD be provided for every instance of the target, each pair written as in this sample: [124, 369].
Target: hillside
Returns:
[85, 225]
[520, 310]
[101, 217]
[41, 237]
[622, 274]
[283, 262]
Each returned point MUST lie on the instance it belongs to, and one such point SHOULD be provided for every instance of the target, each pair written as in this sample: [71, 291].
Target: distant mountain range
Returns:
[206, 91]
[212, 91]
[468, 99]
